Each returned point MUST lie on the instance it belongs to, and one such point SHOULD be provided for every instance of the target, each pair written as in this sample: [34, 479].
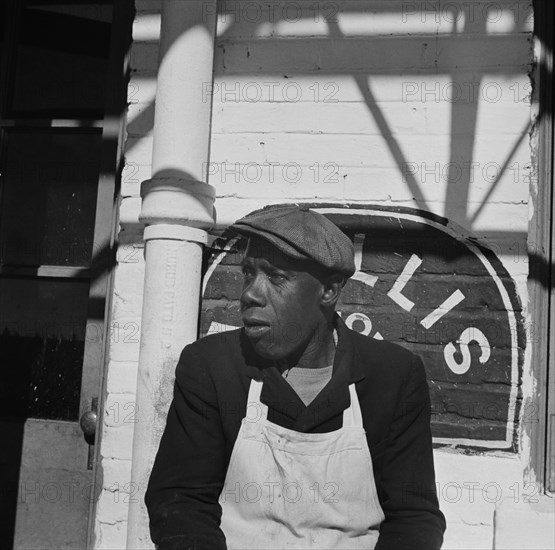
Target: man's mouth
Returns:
[254, 332]
[255, 328]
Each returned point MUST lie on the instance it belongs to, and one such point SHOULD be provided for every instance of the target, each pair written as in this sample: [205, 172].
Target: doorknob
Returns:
[88, 423]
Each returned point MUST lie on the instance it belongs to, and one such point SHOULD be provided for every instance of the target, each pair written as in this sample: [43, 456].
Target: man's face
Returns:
[280, 302]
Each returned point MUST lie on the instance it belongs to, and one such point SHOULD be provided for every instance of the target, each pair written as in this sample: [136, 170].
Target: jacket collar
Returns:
[332, 400]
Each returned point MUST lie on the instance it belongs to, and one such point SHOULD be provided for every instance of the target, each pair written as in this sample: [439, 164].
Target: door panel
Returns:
[59, 59]
[49, 196]
[62, 101]
[42, 341]
[54, 489]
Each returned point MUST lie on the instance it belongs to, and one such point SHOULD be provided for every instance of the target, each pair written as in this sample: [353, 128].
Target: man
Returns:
[295, 431]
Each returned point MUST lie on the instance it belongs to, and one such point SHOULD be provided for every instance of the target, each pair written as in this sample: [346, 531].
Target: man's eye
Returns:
[276, 277]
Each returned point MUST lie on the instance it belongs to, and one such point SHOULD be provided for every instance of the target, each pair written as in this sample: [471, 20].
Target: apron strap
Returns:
[352, 415]
[256, 410]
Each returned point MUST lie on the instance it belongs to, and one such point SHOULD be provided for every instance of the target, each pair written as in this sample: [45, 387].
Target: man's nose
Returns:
[253, 293]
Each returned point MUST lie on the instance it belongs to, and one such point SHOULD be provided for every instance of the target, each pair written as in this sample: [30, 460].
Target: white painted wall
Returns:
[376, 105]
[110, 523]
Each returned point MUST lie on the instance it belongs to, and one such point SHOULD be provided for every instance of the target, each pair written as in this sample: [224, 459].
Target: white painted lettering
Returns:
[456, 298]
[468, 335]
[402, 280]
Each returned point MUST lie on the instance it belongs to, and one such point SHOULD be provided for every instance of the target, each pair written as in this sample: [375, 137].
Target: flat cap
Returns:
[301, 234]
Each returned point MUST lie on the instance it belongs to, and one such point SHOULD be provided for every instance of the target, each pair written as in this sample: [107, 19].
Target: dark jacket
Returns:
[210, 396]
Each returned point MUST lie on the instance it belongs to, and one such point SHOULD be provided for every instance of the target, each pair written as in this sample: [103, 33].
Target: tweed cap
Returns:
[301, 234]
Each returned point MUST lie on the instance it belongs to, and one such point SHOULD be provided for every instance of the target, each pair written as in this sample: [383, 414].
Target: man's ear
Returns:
[332, 288]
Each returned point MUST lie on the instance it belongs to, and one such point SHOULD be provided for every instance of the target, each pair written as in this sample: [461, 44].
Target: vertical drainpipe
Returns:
[177, 209]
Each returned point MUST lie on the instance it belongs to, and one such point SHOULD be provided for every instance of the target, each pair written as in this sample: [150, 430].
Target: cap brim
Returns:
[277, 242]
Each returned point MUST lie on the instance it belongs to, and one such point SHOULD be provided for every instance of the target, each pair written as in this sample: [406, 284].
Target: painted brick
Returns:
[320, 116]
[128, 288]
[138, 150]
[141, 119]
[126, 310]
[141, 94]
[324, 114]
[132, 177]
[109, 508]
[461, 536]
[356, 167]
[469, 487]
[469, 518]
[497, 117]
[465, 503]
[120, 410]
[494, 218]
[117, 473]
[309, 18]
[488, 323]
[148, 5]
[432, 288]
[130, 253]
[277, 87]
[508, 220]
[124, 341]
[526, 523]
[408, 330]
[141, 89]
[369, 190]
[353, 150]
[494, 373]
[117, 441]
[146, 27]
[400, 327]
[110, 535]
[452, 467]
[144, 57]
[479, 401]
[389, 54]
[433, 90]
[214, 309]
[281, 187]
[121, 377]
[469, 430]
[462, 88]
[226, 284]
[130, 208]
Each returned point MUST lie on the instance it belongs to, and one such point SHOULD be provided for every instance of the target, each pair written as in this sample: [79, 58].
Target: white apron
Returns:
[288, 489]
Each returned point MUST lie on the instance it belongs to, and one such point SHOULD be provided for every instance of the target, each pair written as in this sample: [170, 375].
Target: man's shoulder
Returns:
[216, 343]
[221, 337]
[215, 355]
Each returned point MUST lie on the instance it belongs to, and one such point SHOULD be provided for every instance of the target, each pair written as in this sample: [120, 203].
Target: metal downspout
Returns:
[177, 209]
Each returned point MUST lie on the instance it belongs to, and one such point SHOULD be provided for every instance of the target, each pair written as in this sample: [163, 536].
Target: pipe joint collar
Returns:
[173, 232]
[177, 201]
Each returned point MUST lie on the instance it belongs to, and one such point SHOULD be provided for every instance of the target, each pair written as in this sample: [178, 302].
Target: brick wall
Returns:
[119, 395]
[381, 103]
